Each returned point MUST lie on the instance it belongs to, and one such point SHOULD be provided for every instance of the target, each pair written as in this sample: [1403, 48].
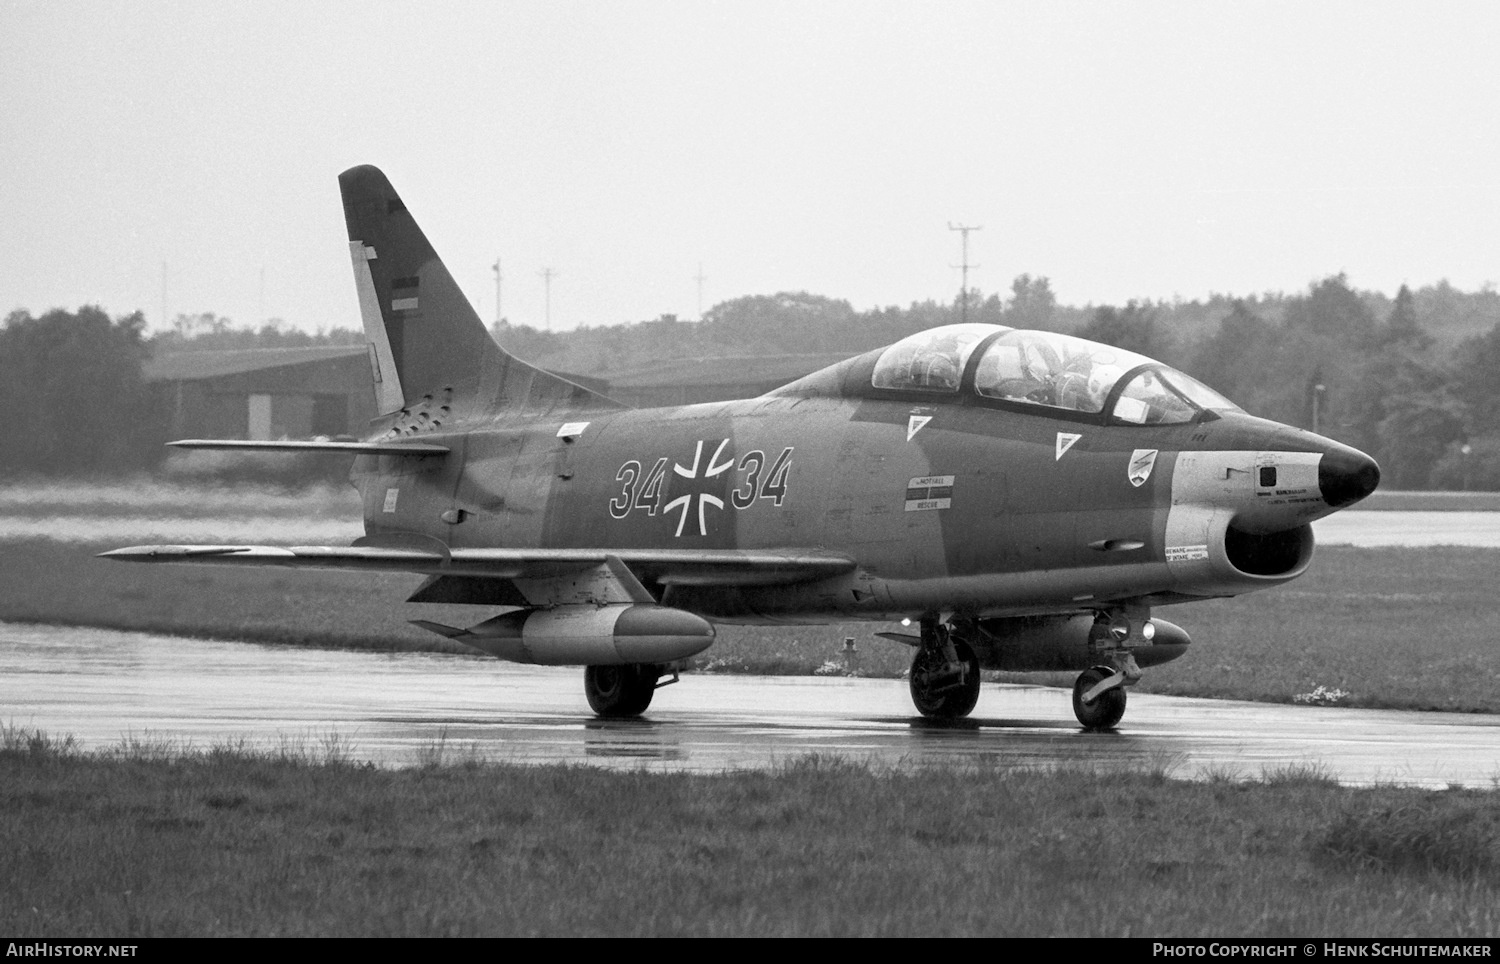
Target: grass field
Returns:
[1409, 501]
[146, 841]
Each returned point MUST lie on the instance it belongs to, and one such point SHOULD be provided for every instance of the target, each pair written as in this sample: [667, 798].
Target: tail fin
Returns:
[424, 335]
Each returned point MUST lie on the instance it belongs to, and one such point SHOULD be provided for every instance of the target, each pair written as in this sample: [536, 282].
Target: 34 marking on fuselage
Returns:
[640, 489]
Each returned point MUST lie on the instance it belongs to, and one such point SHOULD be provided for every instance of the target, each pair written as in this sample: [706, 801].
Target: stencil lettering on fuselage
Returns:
[722, 483]
[929, 492]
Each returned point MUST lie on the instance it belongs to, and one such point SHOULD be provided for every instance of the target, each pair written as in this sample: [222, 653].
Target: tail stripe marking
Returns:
[388, 395]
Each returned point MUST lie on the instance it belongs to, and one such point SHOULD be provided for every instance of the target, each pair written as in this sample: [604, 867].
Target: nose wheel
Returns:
[1099, 709]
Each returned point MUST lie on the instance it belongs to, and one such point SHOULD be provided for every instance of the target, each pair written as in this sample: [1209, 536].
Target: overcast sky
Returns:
[1124, 150]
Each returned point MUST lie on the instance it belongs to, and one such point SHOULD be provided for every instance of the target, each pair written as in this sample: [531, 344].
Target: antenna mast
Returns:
[963, 293]
[547, 275]
[499, 315]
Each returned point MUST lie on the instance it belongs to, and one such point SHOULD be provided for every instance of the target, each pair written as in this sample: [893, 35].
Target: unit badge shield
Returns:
[1142, 461]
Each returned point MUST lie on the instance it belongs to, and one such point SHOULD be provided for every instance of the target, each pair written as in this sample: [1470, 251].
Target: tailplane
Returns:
[424, 336]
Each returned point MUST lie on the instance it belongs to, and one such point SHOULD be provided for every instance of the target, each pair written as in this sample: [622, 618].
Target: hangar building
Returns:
[265, 393]
[274, 393]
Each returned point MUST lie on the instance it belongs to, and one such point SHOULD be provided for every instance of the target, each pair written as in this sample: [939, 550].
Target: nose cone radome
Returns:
[1347, 475]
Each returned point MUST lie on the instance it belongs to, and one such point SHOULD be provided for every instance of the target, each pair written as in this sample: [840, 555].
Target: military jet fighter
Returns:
[1023, 500]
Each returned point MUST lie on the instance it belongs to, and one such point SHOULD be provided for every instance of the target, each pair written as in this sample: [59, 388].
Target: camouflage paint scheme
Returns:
[1016, 534]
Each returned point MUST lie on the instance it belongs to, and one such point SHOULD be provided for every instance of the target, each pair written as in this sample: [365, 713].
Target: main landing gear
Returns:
[945, 670]
[944, 674]
[622, 691]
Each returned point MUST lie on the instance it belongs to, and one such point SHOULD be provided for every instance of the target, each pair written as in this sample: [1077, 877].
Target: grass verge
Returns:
[151, 841]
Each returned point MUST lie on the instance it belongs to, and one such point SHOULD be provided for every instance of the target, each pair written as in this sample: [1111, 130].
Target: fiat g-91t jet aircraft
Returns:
[1023, 500]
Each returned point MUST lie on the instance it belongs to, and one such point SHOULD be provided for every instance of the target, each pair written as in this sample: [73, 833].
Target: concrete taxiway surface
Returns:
[103, 687]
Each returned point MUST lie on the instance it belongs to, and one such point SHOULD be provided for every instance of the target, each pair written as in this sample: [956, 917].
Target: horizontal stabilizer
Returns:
[355, 448]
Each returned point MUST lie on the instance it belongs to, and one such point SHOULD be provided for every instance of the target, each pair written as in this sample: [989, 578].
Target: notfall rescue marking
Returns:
[915, 424]
[929, 492]
[1065, 441]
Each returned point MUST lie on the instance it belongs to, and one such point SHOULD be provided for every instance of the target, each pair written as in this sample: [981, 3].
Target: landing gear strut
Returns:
[944, 674]
[1099, 692]
[620, 691]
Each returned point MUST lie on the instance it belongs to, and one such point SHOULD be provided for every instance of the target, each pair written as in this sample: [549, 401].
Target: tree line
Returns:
[1414, 380]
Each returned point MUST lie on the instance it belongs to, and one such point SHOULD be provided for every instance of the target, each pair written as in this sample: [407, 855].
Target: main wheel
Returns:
[620, 690]
[941, 696]
[1105, 711]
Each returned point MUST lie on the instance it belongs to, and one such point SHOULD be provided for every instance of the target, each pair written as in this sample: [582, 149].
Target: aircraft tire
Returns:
[949, 704]
[1105, 712]
[620, 691]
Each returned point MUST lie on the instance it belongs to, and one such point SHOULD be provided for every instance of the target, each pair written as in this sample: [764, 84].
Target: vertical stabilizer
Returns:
[424, 335]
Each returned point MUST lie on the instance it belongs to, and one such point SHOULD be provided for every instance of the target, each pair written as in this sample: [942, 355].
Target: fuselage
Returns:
[949, 501]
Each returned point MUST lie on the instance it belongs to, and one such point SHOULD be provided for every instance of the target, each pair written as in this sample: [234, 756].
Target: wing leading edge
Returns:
[735, 567]
[356, 448]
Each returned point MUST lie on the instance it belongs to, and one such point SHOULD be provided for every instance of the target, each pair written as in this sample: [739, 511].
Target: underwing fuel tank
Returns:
[587, 635]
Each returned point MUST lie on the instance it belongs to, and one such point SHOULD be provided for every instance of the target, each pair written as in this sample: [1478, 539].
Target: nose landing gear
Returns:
[1099, 692]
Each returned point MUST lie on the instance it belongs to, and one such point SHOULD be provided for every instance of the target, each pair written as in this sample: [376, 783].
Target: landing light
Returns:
[1148, 631]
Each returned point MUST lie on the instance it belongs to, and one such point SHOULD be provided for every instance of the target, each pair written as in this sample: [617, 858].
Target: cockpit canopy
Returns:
[1046, 370]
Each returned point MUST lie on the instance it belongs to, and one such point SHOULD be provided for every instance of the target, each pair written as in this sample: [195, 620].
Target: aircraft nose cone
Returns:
[1347, 475]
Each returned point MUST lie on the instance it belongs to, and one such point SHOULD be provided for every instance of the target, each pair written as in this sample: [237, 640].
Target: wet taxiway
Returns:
[104, 687]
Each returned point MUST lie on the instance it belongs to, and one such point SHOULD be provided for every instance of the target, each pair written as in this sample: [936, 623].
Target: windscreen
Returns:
[1063, 372]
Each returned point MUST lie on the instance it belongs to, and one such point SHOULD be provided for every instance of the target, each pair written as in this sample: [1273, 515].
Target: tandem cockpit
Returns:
[1040, 371]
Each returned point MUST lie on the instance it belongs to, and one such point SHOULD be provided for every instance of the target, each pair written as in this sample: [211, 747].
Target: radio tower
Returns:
[547, 275]
[499, 315]
[963, 292]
